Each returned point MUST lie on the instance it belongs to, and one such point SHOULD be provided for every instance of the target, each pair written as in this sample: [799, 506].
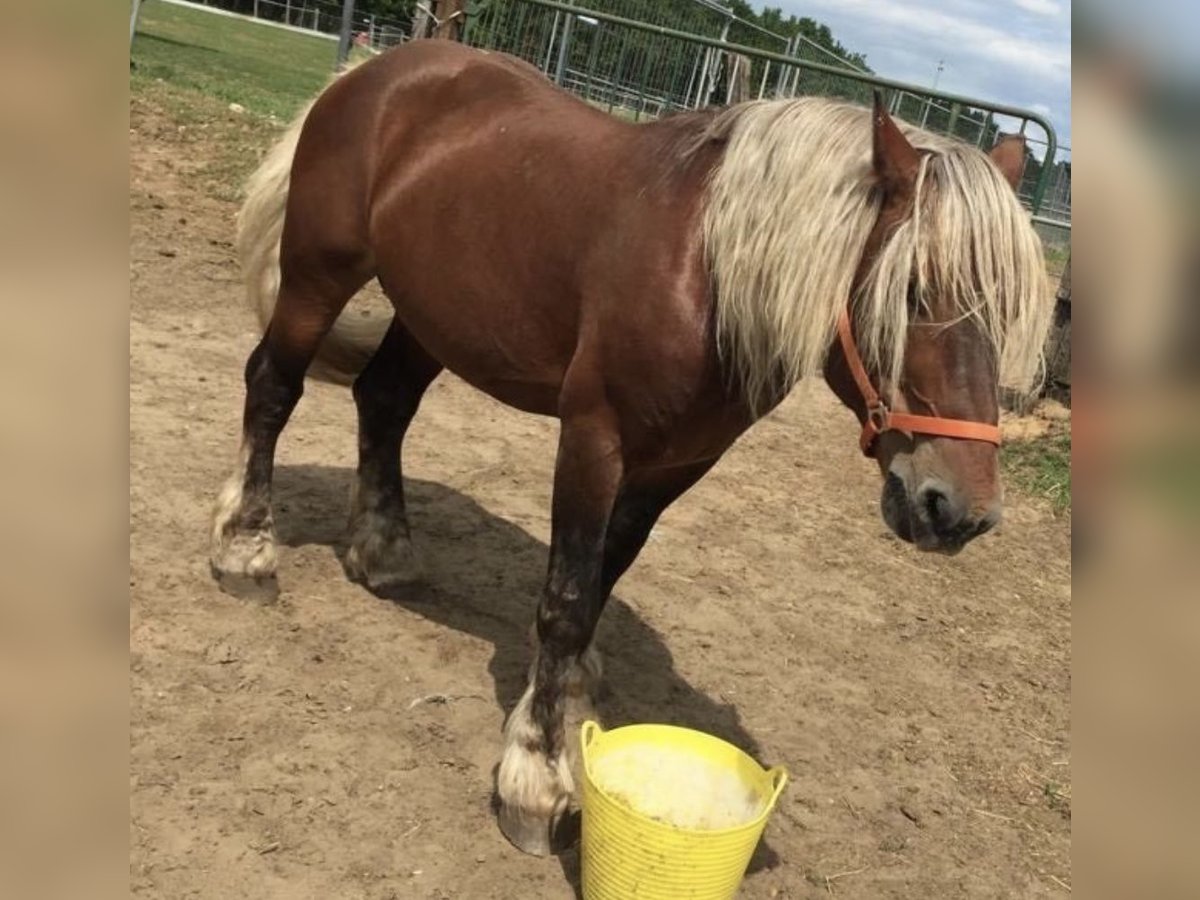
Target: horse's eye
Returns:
[914, 302]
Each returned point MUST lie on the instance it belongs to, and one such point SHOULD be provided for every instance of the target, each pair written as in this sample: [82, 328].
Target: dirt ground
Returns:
[920, 703]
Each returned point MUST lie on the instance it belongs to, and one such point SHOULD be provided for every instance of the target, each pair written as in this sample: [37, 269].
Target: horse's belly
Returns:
[516, 362]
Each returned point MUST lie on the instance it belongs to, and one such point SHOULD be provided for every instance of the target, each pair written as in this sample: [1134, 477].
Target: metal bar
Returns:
[983, 129]
[714, 69]
[1054, 223]
[133, 20]
[343, 49]
[955, 112]
[687, 96]
[708, 54]
[545, 67]
[597, 36]
[641, 107]
[671, 78]
[519, 31]
[656, 76]
[564, 47]
[616, 72]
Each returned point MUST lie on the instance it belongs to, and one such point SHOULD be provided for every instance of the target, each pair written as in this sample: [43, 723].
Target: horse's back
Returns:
[510, 223]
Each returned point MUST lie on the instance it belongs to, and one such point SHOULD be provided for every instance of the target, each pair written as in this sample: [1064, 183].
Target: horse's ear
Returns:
[895, 160]
[1009, 157]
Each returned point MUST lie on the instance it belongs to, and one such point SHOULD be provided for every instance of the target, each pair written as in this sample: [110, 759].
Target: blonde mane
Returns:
[789, 210]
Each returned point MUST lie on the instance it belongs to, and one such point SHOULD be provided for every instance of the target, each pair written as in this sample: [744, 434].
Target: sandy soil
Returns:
[921, 704]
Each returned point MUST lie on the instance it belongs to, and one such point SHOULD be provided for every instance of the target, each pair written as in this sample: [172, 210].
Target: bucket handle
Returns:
[779, 778]
[590, 731]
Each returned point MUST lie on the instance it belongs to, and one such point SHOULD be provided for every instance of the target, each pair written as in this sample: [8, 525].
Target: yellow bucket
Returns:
[626, 854]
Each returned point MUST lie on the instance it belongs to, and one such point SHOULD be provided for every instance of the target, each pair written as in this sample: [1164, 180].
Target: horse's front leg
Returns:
[535, 781]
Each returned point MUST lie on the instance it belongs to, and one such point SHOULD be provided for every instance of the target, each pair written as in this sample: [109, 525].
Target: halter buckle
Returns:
[877, 422]
[878, 416]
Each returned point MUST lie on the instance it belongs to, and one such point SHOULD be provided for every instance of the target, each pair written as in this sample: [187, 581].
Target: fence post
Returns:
[343, 49]
[545, 66]
[687, 96]
[708, 77]
[955, 111]
[449, 19]
[420, 24]
[717, 58]
[983, 131]
[133, 18]
[564, 47]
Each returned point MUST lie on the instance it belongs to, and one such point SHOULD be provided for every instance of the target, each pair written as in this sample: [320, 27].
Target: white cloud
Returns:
[994, 51]
[948, 31]
[1040, 7]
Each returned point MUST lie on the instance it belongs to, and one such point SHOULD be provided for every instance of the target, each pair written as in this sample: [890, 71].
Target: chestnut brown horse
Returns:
[657, 287]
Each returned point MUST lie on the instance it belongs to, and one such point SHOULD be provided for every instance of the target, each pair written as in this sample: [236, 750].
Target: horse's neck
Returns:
[679, 150]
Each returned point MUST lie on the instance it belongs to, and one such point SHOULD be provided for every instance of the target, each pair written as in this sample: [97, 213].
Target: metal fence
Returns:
[637, 69]
[644, 66]
[320, 17]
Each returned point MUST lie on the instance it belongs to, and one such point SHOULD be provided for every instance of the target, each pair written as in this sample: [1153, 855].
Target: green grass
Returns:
[269, 71]
[1056, 259]
[1041, 466]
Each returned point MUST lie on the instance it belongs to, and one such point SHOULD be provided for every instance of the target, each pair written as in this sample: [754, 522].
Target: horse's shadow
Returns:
[482, 576]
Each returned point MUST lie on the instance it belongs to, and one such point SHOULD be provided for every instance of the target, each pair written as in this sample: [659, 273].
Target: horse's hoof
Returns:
[539, 835]
[243, 564]
[385, 570]
[527, 832]
[252, 588]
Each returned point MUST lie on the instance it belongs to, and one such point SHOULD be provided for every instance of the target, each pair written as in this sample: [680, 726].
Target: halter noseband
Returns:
[880, 417]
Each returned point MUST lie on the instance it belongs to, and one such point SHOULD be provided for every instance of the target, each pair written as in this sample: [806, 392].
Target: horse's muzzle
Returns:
[935, 517]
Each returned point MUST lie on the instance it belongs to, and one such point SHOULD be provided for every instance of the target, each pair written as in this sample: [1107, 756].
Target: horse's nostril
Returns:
[943, 513]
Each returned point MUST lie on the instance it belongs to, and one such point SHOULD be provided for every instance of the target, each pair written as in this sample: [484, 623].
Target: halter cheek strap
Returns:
[880, 417]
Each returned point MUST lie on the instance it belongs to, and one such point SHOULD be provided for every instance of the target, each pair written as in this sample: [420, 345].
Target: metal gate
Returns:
[639, 69]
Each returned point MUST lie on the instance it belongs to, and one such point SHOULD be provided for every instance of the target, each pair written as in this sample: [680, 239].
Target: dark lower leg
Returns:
[535, 780]
[243, 538]
[387, 395]
[638, 507]
[243, 528]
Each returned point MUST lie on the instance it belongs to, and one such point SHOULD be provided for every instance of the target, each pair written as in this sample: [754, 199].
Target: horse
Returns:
[657, 287]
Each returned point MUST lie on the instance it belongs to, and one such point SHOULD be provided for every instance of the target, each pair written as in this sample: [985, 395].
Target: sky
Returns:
[1016, 52]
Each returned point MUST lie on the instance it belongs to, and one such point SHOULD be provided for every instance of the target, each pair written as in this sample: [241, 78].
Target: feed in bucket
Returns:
[669, 812]
[676, 787]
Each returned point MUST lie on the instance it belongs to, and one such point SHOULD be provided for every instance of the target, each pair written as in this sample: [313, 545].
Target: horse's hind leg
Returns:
[243, 532]
[387, 395]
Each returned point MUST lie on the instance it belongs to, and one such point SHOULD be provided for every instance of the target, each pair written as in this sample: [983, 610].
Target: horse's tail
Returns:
[353, 339]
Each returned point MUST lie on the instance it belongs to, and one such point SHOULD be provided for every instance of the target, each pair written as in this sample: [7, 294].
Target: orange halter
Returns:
[880, 417]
